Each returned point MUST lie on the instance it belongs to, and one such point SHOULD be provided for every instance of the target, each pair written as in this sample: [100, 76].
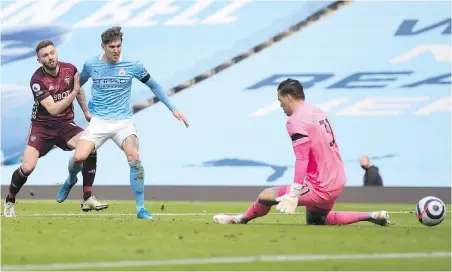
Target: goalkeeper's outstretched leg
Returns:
[318, 208]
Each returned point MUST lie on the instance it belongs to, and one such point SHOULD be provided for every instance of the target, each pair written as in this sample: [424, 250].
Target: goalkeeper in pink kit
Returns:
[319, 170]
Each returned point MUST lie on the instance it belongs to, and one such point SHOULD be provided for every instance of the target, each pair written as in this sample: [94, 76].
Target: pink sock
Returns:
[344, 218]
[256, 210]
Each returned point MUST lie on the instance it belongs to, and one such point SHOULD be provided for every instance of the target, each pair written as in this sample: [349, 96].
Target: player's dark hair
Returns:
[111, 34]
[292, 87]
[43, 44]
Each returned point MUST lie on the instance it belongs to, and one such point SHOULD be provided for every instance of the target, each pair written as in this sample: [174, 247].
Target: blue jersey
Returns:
[112, 86]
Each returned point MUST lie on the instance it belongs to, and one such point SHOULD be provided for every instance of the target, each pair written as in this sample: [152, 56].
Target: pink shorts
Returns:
[314, 200]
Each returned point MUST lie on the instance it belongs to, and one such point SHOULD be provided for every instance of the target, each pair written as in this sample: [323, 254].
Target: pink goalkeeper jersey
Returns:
[310, 125]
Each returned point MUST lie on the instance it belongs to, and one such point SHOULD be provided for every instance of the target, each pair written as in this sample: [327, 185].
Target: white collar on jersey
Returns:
[102, 54]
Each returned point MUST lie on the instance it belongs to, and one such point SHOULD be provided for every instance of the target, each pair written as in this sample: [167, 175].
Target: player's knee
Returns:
[267, 197]
[84, 150]
[79, 158]
[28, 167]
[133, 155]
[315, 218]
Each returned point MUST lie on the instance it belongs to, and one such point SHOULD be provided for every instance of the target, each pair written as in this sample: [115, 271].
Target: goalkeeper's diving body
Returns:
[111, 112]
[319, 170]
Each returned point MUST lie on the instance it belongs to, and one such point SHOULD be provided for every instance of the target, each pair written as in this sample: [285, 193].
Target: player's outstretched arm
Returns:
[159, 92]
[163, 97]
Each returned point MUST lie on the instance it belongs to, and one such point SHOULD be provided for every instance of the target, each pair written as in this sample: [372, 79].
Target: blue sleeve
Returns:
[159, 92]
[140, 73]
[84, 75]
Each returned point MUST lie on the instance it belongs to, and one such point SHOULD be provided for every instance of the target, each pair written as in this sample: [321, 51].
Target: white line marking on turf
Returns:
[224, 260]
[156, 214]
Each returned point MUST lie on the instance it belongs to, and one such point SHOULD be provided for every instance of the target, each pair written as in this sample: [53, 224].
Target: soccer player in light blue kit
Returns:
[111, 112]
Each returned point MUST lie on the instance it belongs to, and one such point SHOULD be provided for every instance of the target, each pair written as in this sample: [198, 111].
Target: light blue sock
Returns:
[74, 169]
[137, 182]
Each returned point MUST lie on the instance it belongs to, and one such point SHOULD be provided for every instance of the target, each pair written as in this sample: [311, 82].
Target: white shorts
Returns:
[100, 130]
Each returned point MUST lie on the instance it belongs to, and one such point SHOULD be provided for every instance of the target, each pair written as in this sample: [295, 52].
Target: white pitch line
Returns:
[225, 260]
[154, 214]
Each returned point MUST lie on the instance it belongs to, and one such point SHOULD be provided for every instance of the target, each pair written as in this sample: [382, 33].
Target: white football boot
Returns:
[228, 219]
[9, 210]
[380, 218]
[92, 204]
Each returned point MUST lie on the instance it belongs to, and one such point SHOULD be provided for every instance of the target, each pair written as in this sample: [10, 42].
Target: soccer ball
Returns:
[430, 211]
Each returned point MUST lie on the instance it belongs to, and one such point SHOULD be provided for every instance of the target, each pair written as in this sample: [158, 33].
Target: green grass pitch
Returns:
[48, 233]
